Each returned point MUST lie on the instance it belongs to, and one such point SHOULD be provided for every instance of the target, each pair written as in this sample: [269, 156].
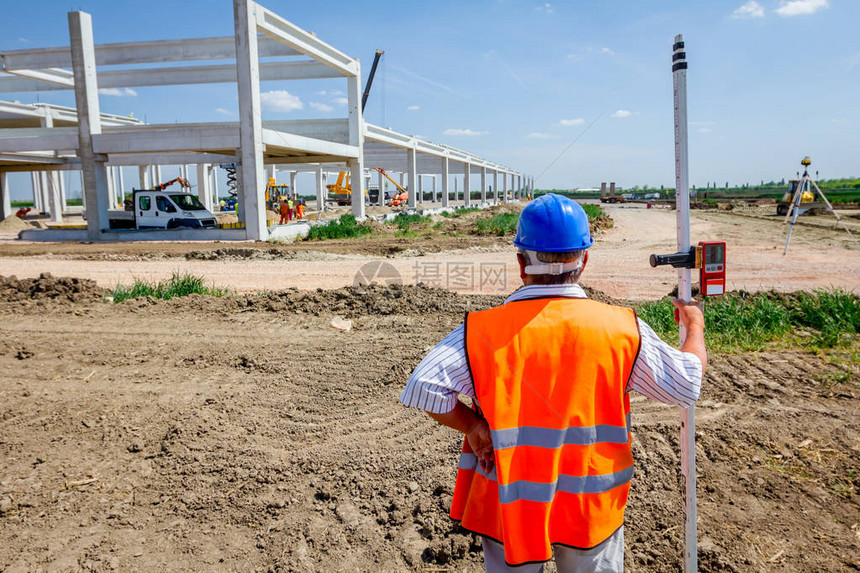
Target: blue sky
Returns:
[515, 81]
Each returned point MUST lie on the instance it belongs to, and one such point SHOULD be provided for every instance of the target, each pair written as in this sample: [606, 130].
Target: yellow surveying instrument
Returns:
[800, 202]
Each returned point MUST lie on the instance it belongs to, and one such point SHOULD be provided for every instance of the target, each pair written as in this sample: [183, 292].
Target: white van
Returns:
[162, 210]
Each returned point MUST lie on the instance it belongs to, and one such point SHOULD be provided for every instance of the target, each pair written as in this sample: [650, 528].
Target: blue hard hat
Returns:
[553, 224]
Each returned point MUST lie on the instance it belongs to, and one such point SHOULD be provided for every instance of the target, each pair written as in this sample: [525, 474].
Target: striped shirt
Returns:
[661, 372]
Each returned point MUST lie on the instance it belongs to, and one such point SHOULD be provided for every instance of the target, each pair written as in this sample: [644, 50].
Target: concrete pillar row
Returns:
[293, 190]
[54, 195]
[320, 184]
[380, 184]
[413, 178]
[467, 184]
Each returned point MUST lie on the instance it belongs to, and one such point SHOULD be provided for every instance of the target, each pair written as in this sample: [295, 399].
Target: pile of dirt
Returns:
[601, 223]
[374, 299]
[13, 223]
[49, 287]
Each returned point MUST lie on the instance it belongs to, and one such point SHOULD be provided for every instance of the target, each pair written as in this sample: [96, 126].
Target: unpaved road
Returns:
[246, 434]
[820, 256]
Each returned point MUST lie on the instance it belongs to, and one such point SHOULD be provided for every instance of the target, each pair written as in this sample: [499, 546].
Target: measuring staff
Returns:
[710, 259]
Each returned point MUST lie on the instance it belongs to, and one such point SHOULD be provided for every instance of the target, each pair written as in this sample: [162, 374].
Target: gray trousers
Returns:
[608, 557]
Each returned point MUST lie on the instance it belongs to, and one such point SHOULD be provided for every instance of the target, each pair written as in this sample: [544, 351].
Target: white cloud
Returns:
[571, 122]
[120, 92]
[280, 100]
[541, 135]
[321, 93]
[413, 108]
[801, 7]
[574, 57]
[321, 106]
[704, 130]
[468, 132]
[751, 9]
[607, 51]
[223, 111]
[341, 100]
[622, 113]
[546, 8]
[336, 92]
[23, 40]
[703, 123]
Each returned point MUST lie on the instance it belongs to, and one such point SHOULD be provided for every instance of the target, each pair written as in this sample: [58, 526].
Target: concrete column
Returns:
[120, 185]
[54, 196]
[251, 207]
[204, 193]
[421, 189]
[483, 184]
[143, 177]
[37, 191]
[216, 199]
[293, 189]
[83, 194]
[467, 184]
[320, 181]
[456, 183]
[111, 188]
[5, 196]
[156, 171]
[61, 178]
[413, 176]
[44, 192]
[356, 138]
[495, 187]
[402, 178]
[380, 182]
[435, 189]
[504, 187]
[445, 180]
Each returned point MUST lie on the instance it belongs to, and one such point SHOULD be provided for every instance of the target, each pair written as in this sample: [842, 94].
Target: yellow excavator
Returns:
[341, 190]
[806, 196]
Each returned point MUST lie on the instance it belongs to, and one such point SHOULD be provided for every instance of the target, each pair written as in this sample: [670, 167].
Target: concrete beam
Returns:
[38, 80]
[149, 52]
[302, 41]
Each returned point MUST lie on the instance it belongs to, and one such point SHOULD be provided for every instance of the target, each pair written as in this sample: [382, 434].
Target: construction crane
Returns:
[402, 197]
[370, 79]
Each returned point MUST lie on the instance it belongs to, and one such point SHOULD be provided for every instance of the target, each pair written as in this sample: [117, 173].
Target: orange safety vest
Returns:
[550, 378]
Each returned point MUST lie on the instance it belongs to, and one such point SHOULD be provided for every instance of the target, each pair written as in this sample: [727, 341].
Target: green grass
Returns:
[345, 227]
[459, 212]
[404, 222]
[593, 211]
[500, 225]
[742, 322]
[180, 284]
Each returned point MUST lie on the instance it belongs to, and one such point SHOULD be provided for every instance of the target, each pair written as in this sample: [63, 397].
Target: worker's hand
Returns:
[690, 314]
[481, 443]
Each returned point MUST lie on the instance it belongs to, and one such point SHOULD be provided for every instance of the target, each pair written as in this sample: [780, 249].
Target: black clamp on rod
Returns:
[678, 260]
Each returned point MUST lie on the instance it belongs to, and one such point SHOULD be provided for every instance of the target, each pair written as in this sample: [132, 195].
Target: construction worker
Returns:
[546, 462]
[291, 211]
[285, 212]
[300, 209]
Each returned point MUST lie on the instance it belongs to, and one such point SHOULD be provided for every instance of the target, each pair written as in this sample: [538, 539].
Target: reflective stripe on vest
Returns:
[550, 377]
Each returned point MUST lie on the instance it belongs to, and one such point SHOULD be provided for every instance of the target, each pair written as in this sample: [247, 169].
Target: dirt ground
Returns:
[820, 255]
[247, 434]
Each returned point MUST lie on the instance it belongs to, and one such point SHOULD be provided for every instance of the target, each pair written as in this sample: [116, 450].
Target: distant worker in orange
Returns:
[300, 209]
[285, 213]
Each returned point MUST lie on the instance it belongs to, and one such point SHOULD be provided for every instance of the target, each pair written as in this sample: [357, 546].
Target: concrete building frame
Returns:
[85, 139]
